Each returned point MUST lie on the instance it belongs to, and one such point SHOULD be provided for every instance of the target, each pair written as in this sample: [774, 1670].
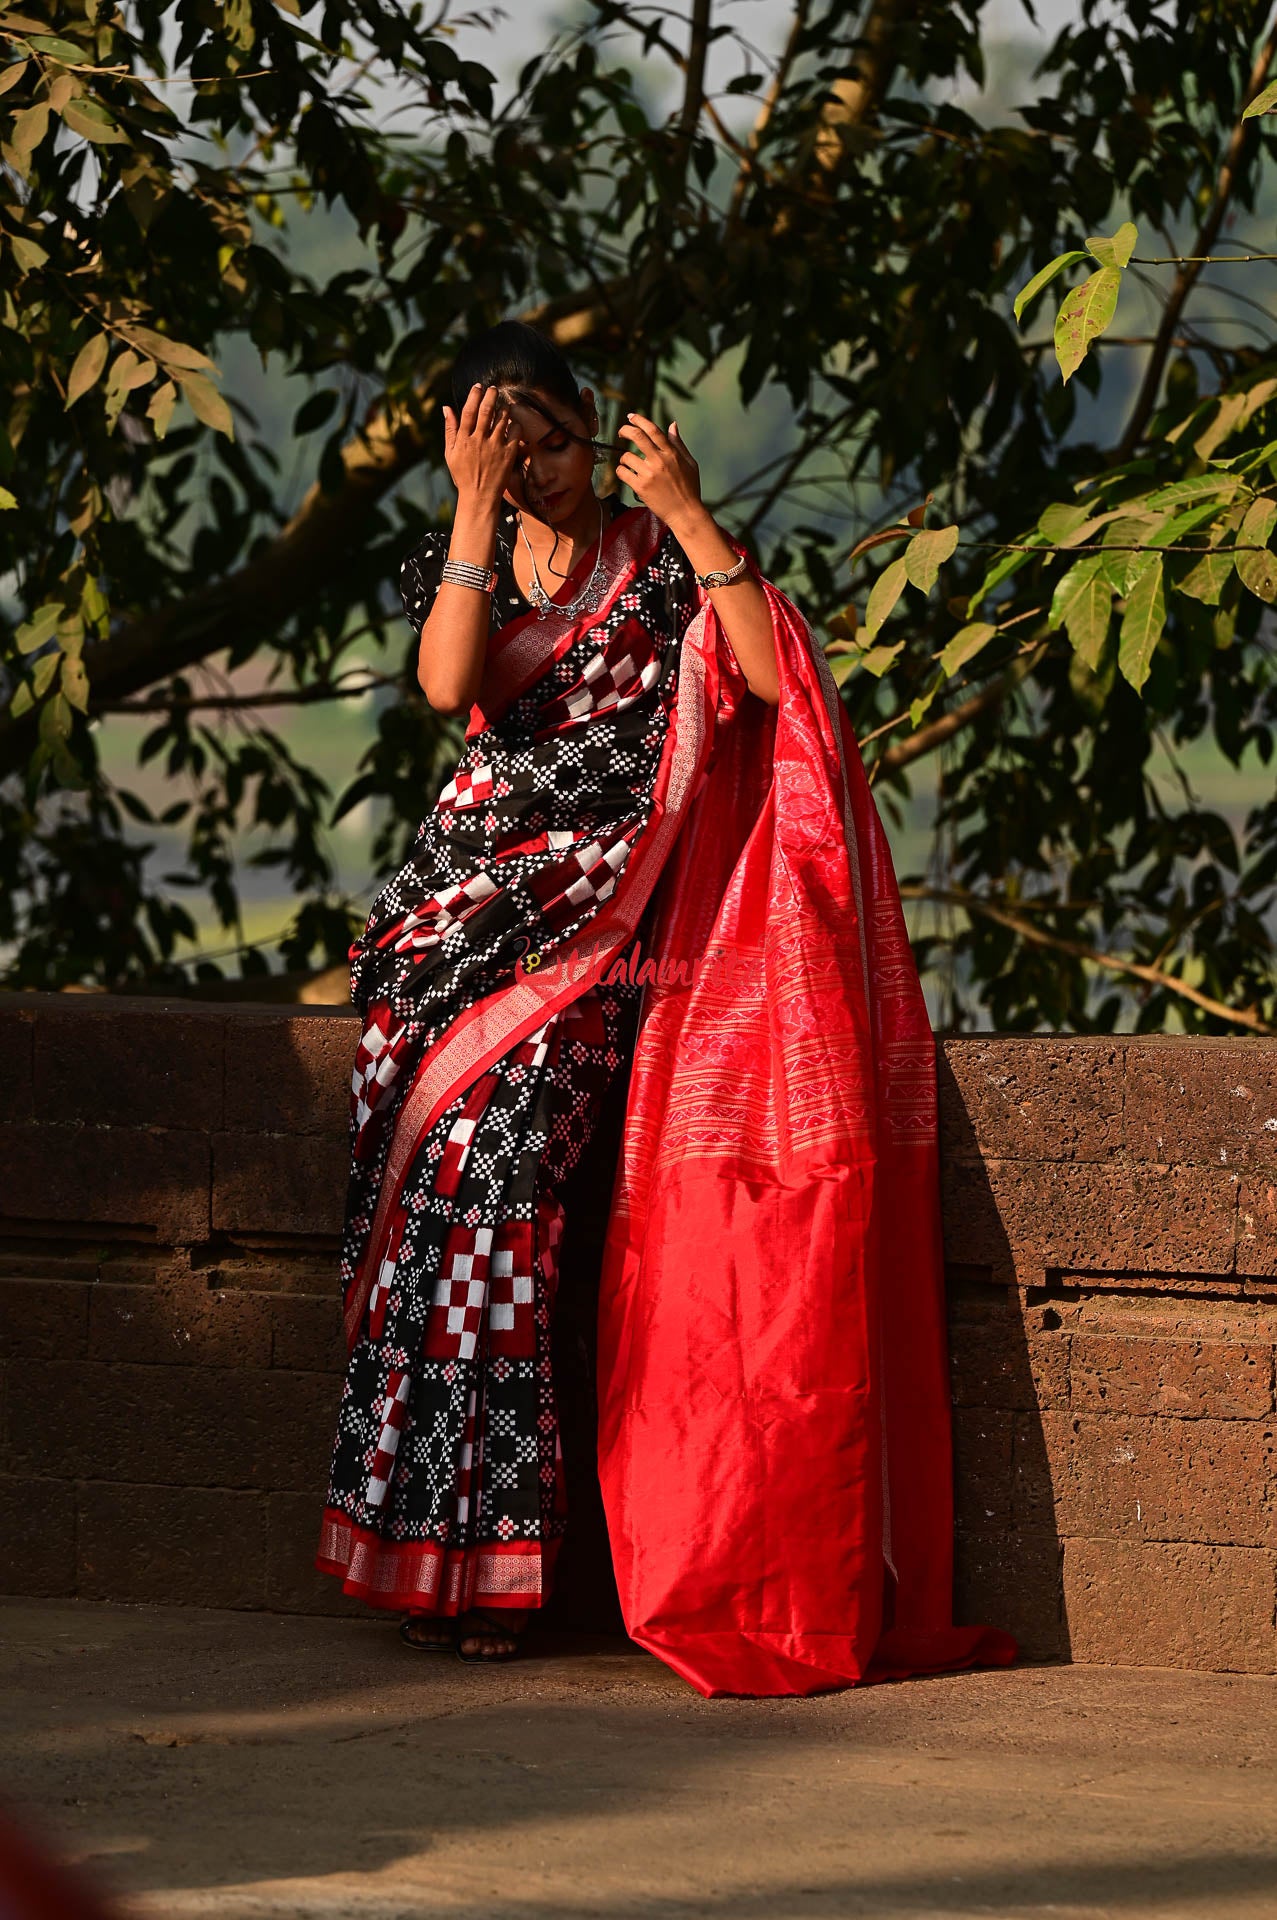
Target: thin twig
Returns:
[1111, 962]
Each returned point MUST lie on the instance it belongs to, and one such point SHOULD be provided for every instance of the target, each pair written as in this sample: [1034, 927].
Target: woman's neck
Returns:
[568, 539]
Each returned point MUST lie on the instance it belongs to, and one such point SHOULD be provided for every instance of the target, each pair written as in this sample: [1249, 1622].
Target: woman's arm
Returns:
[665, 477]
[480, 447]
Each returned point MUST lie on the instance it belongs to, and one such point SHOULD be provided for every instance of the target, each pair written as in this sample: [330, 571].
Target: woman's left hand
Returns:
[660, 470]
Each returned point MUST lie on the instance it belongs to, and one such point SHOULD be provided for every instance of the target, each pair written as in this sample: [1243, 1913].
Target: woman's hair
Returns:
[518, 360]
[516, 357]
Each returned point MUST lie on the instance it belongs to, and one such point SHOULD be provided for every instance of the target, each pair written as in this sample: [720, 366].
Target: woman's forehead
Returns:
[538, 413]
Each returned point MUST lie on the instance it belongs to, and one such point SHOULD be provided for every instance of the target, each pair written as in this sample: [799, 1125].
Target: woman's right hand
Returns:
[481, 446]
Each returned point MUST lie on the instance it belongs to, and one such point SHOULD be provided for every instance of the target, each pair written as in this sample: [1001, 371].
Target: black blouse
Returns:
[419, 575]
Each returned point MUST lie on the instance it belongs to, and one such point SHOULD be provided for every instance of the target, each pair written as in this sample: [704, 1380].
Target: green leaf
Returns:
[1117, 249]
[29, 128]
[206, 403]
[86, 368]
[169, 353]
[1082, 605]
[10, 75]
[42, 672]
[1258, 571]
[75, 681]
[965, 644]
[40, 627]
[1265, 102]
[918, 707]
[926, 554]
[1142, 622]
[1123, 557]
[22, 701]
[90, 119]
[1221, 486]
[27, 253]
[1083, 317]
[878, 659]
[1208, 578]
[1061, 519]
[887, 589]
[160, 411]
[64, 50]
[1001, 569]
[1043, 278]
[1227, 418]
[7, 500]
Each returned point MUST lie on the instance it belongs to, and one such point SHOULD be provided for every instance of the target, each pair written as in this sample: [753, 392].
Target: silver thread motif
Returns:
[590, 596]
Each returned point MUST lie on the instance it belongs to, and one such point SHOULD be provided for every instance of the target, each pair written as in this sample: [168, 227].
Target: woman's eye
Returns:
[555, 446]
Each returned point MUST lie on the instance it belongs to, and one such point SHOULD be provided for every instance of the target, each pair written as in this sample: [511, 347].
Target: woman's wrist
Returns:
[703, 540]
[474, 529]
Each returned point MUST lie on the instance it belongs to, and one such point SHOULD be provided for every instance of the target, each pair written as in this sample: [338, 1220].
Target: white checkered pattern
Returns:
[468, 787]
[393, 1414]
[426, 925]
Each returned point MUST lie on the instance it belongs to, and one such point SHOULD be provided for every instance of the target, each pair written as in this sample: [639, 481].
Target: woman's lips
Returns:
[553, 499]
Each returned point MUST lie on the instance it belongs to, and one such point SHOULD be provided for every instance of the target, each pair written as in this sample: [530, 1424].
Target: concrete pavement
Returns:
[250, 1765]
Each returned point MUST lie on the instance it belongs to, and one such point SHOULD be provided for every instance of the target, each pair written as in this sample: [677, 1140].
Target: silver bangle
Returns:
[461, 573]
[721, 579]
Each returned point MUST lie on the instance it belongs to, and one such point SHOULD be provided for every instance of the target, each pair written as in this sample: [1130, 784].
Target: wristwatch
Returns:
[723, 579]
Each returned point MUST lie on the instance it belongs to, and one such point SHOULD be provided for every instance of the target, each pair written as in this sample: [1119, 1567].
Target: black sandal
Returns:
[446, 1643]
[479, 1623]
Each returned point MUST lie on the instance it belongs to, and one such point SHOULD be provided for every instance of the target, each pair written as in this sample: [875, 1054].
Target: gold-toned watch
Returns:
[723, 579]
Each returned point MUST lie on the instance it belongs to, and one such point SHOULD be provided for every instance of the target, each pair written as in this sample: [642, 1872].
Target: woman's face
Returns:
[555, 473]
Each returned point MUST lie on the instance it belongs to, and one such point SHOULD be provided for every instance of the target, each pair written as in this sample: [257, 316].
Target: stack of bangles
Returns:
[461, 573]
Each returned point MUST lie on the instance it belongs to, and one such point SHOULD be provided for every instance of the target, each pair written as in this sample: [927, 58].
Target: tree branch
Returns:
[295, 565]
[1111, 962]
[928, 738]
[1186, 279]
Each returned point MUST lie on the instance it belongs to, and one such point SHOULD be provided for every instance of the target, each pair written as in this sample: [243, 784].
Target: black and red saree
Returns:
[774, 1424]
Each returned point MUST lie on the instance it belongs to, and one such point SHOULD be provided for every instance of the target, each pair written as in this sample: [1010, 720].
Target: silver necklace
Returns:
[590, 597]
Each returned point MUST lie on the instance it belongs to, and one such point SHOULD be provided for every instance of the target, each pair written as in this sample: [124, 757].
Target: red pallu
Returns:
[774, 1438]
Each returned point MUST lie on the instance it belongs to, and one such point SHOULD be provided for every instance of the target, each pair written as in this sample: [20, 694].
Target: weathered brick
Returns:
[1192, 1379]
[136, 1176]
[179, 1323]
[279, 1183]
[1009, 1366]
[37, 1536]
[177, 1426]
[1162, 1480]
[1031, 1098]
[188, 1546]
[290, 1073]
[17, 1028]
[982, 1466]
[1013, 1581]
[271, 1266]
[1171, 1606]
[293, 1582]
[974, 1234]
[1202, 1102]
[1060, 1216]
[307, 1334]
[43, 1319]
[111, 1062]
[1257, 1225]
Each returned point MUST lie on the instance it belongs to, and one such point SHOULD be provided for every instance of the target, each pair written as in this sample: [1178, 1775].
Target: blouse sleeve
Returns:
[419, 578]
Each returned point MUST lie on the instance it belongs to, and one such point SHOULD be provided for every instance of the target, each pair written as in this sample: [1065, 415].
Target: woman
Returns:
[656, 766]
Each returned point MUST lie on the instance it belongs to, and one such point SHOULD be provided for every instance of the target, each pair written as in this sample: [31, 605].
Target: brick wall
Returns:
[171, 1183]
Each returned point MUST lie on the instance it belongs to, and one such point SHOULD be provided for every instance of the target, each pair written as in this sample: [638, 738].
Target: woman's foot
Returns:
[490, 1636]
[428, 1633]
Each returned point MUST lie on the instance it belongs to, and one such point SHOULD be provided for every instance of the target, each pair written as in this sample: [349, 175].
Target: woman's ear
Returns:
[589, 412]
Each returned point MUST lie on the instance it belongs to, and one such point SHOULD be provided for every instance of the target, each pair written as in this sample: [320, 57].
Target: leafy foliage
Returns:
[1092, 590]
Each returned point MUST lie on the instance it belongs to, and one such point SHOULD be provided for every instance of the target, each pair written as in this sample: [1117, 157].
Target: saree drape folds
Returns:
[774, 1439]
[774, 1417]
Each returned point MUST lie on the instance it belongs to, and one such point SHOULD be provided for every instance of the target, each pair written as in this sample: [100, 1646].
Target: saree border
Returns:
[525, 648]
[501, 1019]
[406, 1573]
